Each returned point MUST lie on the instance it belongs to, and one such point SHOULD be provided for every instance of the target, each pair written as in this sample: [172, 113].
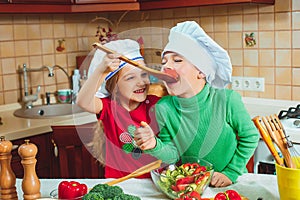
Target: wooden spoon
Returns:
[143, 170]
[267, 139]
[169, 75]
[275, 135]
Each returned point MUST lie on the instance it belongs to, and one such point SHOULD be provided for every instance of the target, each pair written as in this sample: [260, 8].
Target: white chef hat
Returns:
[189, 40]
[127, 47]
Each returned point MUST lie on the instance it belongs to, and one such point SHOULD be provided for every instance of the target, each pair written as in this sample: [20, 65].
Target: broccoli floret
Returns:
[93, 196]
[126, 197]
[108, 192]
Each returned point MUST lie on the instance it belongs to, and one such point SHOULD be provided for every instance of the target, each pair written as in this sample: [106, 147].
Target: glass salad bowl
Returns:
[191, 175]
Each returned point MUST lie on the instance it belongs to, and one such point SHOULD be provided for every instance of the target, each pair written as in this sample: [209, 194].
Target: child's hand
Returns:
[111, 61]
[144, 137]
[220, 180]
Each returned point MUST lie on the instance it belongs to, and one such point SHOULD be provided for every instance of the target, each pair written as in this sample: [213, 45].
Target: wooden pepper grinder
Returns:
[7, 176]
[30, 183]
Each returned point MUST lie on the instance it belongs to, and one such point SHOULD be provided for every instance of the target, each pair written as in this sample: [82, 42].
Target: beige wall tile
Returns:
[296, 39]
[266, 58]
[283, 76]
[296, 5]
[283, 92]
[296, 20]
[6, 32]
[222, 39]
[71, 45]
[20, 32]
[71, 30]
[35, 62]
[10, 82]
[250, 22]
[266, 40]
[268, 74]
[8, 66]
[36, 78]
[207, 23]
[10, 97]
[48, 60]
[282, 5]
[296, 93]
[7, 49]
[35, 47]
[59, 30]
[235, 23]
[46, 31]
[48, 46]
[283, 39]
[236, 57]
[21, 48]
[266, 21]
[295, 58]
[283, 58]
[283, 21]
[34, 31]
[235, 40]
[296, 76]
[1, 66]
[61, 59]
[269, 92]
[251, 58]
[237, 71]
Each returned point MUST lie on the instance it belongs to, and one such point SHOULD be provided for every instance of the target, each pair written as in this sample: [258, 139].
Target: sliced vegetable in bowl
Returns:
[178, 180]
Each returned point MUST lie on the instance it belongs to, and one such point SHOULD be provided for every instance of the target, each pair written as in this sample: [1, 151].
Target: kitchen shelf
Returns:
[160, 4]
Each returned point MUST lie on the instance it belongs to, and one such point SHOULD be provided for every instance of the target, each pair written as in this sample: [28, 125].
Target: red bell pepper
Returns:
[71, 189]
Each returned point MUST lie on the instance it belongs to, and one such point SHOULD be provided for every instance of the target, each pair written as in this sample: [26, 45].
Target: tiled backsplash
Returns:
[33, 39]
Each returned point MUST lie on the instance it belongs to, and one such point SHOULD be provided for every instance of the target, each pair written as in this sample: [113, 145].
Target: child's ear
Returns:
[201, 75]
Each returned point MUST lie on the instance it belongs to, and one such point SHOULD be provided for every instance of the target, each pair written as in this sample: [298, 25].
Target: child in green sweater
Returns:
[200, 117]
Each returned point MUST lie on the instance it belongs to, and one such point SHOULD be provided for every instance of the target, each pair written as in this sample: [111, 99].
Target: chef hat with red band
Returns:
[190, 40]
[127, 47]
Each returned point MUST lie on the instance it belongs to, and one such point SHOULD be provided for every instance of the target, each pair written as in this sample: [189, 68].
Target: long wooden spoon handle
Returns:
[168, 77]
[267, 139]
[143, 170]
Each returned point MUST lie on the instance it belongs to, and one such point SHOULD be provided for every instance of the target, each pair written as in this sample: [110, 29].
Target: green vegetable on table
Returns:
[106, 192]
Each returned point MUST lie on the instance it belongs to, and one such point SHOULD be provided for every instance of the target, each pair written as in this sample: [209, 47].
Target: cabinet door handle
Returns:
[55, 149]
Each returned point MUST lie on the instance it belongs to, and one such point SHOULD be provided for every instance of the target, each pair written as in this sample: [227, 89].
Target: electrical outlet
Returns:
[248, 83]
[237, 83]
[254, 84]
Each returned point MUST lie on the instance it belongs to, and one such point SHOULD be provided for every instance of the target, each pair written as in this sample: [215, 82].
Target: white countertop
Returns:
[252, 186]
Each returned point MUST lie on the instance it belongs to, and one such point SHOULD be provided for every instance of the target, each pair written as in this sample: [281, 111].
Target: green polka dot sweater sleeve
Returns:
[213, 125]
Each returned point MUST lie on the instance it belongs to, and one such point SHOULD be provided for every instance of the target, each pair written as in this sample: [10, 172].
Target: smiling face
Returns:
[132, 86]
[191, 80]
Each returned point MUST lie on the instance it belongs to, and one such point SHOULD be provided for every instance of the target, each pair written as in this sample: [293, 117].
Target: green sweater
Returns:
[207, 126]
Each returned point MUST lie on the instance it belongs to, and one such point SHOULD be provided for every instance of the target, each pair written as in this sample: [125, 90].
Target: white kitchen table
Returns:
[253, 186]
